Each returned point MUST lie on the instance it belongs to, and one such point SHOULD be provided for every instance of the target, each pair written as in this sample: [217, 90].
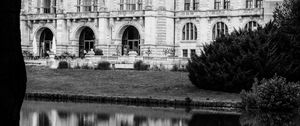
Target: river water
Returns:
[37, 113]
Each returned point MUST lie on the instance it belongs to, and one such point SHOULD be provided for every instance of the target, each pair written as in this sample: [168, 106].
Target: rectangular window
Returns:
[193, 52]
[187, 4]
[87, 5]
[217, 4]
[78, 5]
[249, 3]
[121, 4]
[46, 7]
[258, 4]
[95, 5]
[196, 5]
[140, 5]
[226, 4]
[184, 53]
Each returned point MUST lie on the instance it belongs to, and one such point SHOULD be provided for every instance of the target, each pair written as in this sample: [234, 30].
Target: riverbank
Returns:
[163, 88]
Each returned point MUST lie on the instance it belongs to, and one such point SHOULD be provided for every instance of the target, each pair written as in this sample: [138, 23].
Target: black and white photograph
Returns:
[150, 63]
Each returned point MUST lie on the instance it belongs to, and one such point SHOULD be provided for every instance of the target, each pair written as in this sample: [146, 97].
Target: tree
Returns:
[232, 62]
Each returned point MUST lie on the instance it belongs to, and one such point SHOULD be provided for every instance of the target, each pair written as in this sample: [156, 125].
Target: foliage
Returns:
[149, 51]
[249, 98]
[177, 67]
[276, 93]
[259, 118]
[86, 66]
[140, 65]
[63, 65]
[273, 94]
[66, 55]
[104, 65]
[287, 14]
[231, 62]
[98, 51]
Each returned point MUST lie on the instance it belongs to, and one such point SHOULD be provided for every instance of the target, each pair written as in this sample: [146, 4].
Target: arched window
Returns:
[189, 32]
[252, 25]
[219, 29]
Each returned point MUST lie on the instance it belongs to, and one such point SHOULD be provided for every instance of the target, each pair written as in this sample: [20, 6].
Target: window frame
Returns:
[226, 4]
[252, 25]
[217, 4]
[185, 53]
[219, 29]
[258, 3]
[189, 32]
[249, 4]
[187, 5]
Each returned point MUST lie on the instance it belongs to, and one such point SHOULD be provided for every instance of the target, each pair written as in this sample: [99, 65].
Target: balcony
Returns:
[137, 13]
[81, 15]
[41, 16]
[221, 13]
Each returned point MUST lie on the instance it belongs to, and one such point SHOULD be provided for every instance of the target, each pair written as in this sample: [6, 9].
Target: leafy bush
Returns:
[178, 68]
[139, 65]
[98, 52]
[65, 55]
[273, 94]
[86, 66]
[63, 65]
[276, 93]
[103, 66]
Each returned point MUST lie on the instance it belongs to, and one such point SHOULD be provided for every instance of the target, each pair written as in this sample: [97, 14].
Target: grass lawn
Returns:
[127, 83]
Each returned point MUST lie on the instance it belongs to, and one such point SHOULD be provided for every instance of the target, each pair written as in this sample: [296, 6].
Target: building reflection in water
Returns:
[61, 118]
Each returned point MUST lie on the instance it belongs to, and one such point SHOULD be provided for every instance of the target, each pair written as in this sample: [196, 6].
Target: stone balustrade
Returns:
[221, 13]
[127, 13]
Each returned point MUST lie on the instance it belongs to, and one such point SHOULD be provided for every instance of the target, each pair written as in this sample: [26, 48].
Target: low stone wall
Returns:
[150, 102]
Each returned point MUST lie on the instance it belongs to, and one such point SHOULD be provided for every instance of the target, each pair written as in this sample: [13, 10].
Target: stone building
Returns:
[149, 27]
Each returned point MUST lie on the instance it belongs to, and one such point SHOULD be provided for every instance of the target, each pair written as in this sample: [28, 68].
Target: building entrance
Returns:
[86, 41]
[45, 43]
[130, 40]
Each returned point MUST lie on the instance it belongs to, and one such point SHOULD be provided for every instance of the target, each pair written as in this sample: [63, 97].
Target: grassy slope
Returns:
[166, 85]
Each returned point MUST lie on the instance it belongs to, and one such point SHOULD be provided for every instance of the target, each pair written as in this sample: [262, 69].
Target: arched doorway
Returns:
[86, 41]
[130, 40]
[45, 43]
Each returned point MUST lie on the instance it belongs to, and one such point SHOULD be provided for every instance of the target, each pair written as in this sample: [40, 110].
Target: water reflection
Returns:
[53, 117]
[65, 114]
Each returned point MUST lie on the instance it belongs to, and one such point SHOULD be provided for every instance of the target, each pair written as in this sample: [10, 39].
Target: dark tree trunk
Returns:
[12, 72]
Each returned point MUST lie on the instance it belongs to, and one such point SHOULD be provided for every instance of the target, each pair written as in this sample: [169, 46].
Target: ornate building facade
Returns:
[148, 27]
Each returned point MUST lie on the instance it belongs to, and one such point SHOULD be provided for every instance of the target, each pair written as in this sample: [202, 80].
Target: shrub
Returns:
[276, 93]
[98, 52]
[178, 68]
[273, 94]
[65, 55]
[63, 65]
[103, 66]
[86, 66]
[139, 65]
